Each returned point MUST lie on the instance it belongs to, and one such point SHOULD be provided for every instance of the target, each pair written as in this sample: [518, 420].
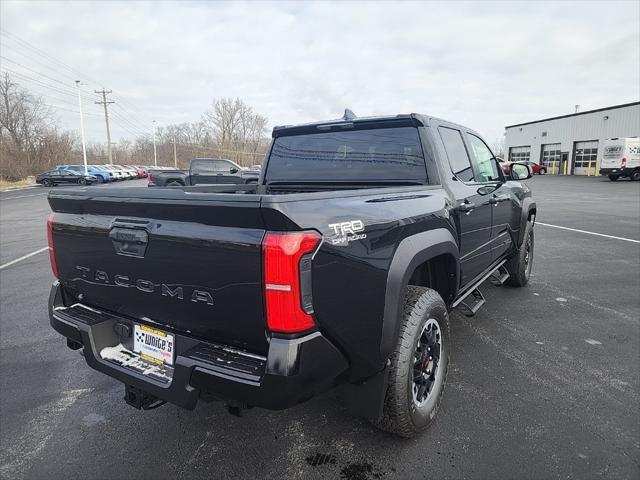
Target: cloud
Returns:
[483, 64]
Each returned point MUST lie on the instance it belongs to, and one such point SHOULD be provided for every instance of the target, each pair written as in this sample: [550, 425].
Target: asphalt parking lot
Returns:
[543, 383]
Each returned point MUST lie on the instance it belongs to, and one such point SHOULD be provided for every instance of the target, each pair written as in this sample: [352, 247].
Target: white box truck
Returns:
[621, 158]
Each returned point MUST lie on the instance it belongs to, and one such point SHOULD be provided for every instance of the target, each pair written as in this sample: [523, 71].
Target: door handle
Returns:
[466, 206]
[495, 199]
[219, 174]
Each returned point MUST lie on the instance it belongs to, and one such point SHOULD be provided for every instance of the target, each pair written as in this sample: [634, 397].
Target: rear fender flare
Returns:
[411, 252]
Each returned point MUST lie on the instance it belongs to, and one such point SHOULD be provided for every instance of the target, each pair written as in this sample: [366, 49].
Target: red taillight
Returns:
[287, 279]
[624, 163]
[149, 181]
[52, 253]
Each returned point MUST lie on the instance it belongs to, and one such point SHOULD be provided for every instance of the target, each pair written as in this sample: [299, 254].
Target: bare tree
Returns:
[238, 132]
[28, 141]
[498, 147]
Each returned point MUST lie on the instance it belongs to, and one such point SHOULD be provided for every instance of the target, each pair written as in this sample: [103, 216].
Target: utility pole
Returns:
[106, 118]
[155, 153]
[84, 147]
[175, 156]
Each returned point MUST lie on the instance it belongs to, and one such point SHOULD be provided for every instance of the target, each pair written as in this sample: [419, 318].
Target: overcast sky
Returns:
[482, 64]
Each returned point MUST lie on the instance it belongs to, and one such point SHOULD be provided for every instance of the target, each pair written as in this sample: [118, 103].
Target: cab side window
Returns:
[484, 160]
[456, 153]
[222, 166]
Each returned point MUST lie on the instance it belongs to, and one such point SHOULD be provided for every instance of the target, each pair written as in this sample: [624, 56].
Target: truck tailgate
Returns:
[185, 264]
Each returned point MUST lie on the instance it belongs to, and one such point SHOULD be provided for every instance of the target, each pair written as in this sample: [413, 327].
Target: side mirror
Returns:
[233, 171]
[519, 171]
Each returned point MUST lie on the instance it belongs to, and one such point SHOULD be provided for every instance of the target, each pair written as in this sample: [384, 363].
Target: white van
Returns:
[621, 158]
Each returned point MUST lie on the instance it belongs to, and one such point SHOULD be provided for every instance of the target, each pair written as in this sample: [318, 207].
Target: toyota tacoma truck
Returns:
[203, 171]
[338, 269]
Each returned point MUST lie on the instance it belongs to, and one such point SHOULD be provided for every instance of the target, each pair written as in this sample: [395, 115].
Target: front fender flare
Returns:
[411, 252]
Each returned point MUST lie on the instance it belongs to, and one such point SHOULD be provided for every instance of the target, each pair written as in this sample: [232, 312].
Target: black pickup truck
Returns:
[339, 268]
[203, 171]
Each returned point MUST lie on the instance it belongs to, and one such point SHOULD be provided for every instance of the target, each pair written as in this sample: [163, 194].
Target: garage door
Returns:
[519, 154]
[584, 157]
[551, 158]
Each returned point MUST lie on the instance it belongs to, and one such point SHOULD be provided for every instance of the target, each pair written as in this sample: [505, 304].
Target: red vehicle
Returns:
[141, 171]
[536, 168]
[504, 164]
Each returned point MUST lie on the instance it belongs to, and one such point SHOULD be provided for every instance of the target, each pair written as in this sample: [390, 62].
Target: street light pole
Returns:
[84, 147]
[175, 155]
[155, 153]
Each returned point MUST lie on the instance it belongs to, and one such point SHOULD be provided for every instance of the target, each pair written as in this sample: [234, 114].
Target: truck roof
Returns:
[349, 120]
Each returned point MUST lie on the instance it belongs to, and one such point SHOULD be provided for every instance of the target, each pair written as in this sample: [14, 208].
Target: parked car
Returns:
[105, 172]
[204, 171]
[536, 168]
[142, 171]
[125, 173]
[116, 172]
[505, 165]
[93, 170]
[339, 268]
[133, 171]
[60, 177]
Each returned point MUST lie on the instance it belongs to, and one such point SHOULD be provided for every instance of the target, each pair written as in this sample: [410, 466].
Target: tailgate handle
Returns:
[131, 242]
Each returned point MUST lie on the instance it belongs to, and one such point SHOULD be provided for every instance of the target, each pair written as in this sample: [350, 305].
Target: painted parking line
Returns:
[24, 196]
[613, 237]
[19, 188]
[24, 257]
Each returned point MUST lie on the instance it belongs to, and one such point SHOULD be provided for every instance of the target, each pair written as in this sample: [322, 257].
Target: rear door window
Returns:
[456, 153]
[382, 154]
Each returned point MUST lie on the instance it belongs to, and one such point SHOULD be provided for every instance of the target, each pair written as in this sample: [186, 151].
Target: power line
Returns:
[139, 130]
[44, 54]
[50, 66]
[58, 107]
[133, 116]
[61, 90]
[28, 46]
[55, 88]
[35, 71]
[133, 134]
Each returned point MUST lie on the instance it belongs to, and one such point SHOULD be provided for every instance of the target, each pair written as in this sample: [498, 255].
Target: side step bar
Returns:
[499, 276]
[471, 300]
[472, 303]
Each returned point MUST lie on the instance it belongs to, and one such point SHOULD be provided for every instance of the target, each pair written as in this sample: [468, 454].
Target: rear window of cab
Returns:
[384, 154]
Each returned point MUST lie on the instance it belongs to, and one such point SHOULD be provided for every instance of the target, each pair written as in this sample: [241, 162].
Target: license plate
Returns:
[153, 344]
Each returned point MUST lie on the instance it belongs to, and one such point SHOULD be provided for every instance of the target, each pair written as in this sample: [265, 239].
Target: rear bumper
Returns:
[293, 371]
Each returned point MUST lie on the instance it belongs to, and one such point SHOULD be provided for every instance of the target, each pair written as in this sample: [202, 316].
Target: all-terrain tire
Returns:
[401, 414]
[519, 267]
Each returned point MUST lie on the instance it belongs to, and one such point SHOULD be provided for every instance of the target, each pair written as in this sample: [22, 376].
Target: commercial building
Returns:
[571, 144]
